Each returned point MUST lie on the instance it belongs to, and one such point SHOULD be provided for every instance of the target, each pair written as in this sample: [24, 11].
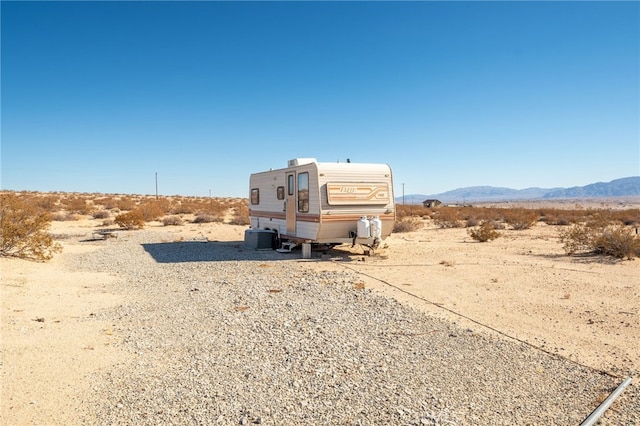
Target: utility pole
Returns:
[156, 185]
[403, 194]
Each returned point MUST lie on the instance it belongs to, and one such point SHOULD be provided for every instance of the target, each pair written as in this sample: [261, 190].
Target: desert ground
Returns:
[521, 286]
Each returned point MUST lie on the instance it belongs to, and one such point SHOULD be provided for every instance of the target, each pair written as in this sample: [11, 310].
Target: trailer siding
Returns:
[368, 186]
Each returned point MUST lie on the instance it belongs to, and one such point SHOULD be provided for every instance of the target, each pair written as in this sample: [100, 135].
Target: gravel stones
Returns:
[222, 335]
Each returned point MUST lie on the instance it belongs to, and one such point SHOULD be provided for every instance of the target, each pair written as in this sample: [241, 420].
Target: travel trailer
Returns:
[321, 203]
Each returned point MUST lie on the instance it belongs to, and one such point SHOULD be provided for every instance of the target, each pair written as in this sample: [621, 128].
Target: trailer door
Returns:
[291, 203]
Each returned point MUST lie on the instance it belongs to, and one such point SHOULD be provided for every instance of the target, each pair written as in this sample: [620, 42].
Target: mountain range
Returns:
[624, 187]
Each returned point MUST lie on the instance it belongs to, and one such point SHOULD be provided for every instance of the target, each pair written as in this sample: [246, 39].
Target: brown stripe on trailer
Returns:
[353, 217]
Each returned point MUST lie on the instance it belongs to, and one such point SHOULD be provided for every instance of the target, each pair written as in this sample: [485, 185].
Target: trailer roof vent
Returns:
[301, 161]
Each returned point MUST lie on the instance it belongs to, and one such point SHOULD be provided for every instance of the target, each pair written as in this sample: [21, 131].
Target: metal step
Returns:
[287, 246]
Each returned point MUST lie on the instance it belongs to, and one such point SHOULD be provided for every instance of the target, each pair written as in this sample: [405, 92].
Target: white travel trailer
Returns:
[323, 203]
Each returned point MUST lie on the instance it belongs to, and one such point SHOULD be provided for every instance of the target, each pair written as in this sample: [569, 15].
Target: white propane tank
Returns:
[376, 227]
[364, 227]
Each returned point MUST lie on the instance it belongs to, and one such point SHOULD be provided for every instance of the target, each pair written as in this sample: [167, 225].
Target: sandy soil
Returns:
[521, 286]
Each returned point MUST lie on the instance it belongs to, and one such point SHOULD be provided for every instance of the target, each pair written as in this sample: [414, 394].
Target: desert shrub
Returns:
[498, 224]
[448, 217]
[125, 204]
[520, 218]
[23, 230]
[238, 204]
[559, 220]
[560, 217]
[47, 202]
[59, 217]
[215, 207]
[402, 211]
[407, 210]
[101, 214]
[152, 210]
[65, 217]
[617, 241]
[107, 203]
[483, 233]
[630, 217]
[598, 219]
[206, 218]
[408, 224]
[577, 238]
[130, 220]
[611, 240]
[77, 205]
[240, 214]
[172, 221]
[239, 220]
[182, 207]
[163, 204]
[473, 221]
[474, 216]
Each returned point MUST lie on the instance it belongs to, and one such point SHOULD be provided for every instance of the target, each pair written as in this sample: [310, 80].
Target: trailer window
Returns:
[290, 185]
[303, 192]
[255, 196]
[280, 192]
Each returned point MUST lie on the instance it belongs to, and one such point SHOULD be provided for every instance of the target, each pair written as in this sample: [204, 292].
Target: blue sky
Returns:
[101, 96]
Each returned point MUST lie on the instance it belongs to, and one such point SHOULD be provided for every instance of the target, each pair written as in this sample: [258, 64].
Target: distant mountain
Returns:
[616, 188]
[629, 186]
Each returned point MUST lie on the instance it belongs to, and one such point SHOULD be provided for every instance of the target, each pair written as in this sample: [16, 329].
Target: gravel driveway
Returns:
[219, 334]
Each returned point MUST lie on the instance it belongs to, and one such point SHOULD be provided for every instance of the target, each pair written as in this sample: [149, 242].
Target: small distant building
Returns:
[431, 203]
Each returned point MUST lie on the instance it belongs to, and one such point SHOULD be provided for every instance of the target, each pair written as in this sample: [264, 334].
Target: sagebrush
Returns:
[173, 220]
[407, 224]
[598, 237]
[24, 229]
[130, 220]
[483, 233]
